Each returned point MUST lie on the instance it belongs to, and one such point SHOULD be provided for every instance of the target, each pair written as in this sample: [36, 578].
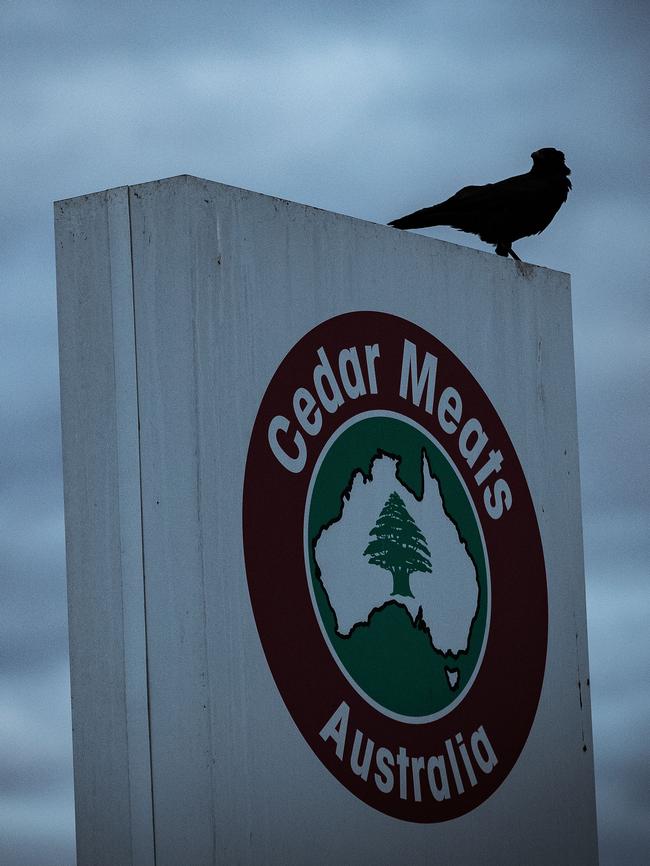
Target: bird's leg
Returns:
[502, 250]
[513, 254]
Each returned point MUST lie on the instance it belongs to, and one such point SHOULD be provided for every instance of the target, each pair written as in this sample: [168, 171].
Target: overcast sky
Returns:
[369, 109]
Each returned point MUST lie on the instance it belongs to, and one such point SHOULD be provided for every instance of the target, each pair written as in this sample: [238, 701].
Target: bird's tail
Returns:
[428, 216]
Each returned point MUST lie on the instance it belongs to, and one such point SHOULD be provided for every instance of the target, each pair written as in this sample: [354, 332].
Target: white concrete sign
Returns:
[324, 542]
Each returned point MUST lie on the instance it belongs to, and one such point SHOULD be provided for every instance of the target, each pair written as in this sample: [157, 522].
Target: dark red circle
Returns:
[504, 696]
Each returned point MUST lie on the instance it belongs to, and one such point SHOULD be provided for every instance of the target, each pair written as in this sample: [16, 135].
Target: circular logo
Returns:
[395, 566]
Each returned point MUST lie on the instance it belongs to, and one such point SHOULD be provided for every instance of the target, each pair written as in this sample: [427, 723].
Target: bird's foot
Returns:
[503, 250]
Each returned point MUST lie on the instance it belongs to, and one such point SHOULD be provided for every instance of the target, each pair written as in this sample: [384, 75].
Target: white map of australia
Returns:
[448, 596]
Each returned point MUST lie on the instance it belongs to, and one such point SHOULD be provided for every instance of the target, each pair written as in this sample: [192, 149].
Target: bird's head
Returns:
[548, 159]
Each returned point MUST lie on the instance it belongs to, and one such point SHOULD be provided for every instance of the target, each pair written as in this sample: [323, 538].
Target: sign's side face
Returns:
[395, 566]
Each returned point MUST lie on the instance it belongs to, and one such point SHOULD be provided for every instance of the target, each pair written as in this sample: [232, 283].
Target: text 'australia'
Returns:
[441, 776]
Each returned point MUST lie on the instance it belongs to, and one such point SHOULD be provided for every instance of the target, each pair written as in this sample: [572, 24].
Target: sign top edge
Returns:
[526, 269]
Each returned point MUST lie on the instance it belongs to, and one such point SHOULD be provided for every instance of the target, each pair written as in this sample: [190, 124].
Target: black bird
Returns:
[501, 213]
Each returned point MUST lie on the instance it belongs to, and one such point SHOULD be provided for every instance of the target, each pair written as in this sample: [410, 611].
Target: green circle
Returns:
[391, 658]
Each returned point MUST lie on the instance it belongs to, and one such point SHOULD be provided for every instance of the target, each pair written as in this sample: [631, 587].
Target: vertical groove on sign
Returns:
[196, 374]
[135, 626]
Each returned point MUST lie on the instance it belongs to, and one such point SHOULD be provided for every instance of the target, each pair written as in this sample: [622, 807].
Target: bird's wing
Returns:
[505, 211]
[500, 194]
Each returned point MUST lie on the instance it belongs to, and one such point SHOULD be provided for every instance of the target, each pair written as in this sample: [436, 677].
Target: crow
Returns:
[501, 213]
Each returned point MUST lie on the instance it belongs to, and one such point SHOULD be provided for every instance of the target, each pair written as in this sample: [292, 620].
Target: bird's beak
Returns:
[534, 154]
